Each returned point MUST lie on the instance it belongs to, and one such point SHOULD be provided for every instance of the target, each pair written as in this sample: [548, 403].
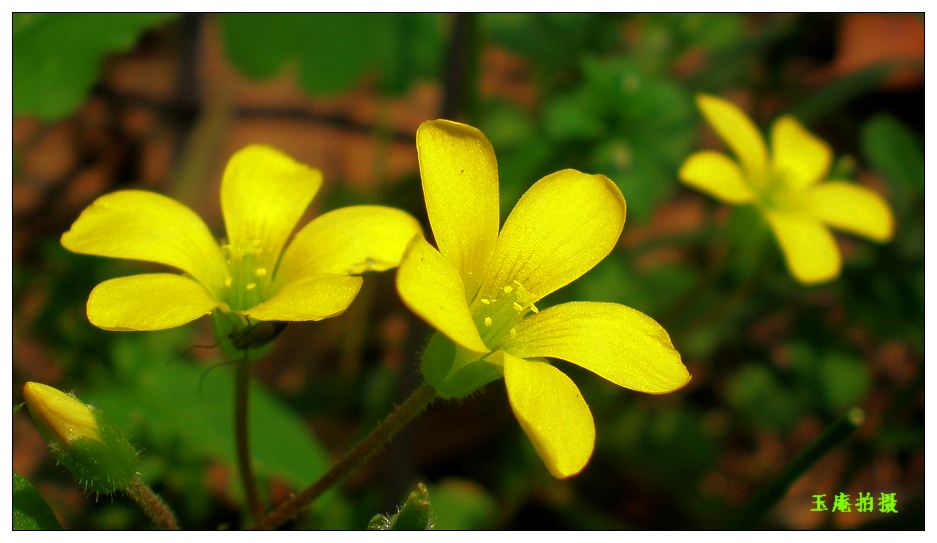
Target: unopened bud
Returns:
[99, 457]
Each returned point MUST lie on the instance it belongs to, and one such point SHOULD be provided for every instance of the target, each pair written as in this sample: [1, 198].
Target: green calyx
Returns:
[453, 372]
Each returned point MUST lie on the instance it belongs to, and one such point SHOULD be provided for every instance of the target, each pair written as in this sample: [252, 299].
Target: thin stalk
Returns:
[354, 458]
[151, 504]
[835, 434]
[241, 436]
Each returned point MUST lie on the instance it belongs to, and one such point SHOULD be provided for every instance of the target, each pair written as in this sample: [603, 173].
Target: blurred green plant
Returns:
[57, 57]
[30, 510]
[332, 51]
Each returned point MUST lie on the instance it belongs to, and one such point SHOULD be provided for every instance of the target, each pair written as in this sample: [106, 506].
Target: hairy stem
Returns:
[241, 391]
[354, 458]
[152, 504]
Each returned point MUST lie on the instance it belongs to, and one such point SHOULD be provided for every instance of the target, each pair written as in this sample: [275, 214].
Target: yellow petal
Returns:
[552, 413]
[460, 186]
[151, 301]
[717, 175]
[808, 247]
[853, 208]
[431, 288]
[737, 131]
[616, 342]
[348, 241]
[309, 298]
[146, 226]
[263, 194]
[799, 157]
[563, 226]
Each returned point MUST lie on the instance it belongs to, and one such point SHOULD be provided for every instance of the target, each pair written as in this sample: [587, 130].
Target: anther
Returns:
[517, 307]
[251, 286]
[488, 321]
[228, 281]
[485, 301]
[260, 272]
[508, 289]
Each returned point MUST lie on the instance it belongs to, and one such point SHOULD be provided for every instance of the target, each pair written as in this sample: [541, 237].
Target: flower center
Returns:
[777, 193]
[248, 278]
[497, 317]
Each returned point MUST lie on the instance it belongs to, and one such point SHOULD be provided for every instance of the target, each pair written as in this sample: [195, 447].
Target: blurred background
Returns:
[104, 102]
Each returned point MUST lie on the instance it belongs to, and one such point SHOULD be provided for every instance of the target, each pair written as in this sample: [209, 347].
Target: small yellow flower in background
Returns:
[263, 195]
[480, 290]
[786, 187]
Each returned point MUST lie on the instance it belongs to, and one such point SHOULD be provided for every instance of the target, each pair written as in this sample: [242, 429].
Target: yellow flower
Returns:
[786, 188]
[480, 288]
[263, 195]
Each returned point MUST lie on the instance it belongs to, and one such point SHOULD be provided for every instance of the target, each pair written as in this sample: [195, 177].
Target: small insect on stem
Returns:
[255, 335]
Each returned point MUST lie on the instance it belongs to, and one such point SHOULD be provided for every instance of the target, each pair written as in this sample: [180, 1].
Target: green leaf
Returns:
[894, 151]
[462, 505]
[154, 395]
[414, 514]
[845, 379]
[757, 395]
[30, 511]
[57, 56]
[332, 51]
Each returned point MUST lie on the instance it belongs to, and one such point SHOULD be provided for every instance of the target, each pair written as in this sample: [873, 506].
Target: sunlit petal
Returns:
[808, 247]
[552, 413]
[799, 157]
[349, 241]
[263, 194]
[853, 208]
[717, 175]
[141, 225]
[309, 298]
[460, 186]
[432, 288]
[563, 226]
[738, 132]
[152, 301]
[616, 342]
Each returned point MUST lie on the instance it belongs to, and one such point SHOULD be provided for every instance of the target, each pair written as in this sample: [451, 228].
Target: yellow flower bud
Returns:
[99, 457]
[63, 416]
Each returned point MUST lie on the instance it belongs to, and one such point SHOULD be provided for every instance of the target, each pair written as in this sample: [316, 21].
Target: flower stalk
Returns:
[241, 436]
[354, 458]
[151, 504]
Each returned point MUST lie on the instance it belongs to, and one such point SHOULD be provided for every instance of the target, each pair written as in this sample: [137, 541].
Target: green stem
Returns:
[151, 504]
[834, 435]
[354, 458]
[241, 436]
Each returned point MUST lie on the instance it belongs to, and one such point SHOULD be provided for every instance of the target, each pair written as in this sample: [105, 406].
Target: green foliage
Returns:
[414, 514]
[761, 399]
[462, 505]
[57, 56]
[30, 510]
[332, 51]
[893, 150]
[644, 126]
[154, 395]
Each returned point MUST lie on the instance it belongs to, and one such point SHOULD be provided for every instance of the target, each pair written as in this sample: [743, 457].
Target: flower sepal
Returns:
[453, 372]
[95, 452]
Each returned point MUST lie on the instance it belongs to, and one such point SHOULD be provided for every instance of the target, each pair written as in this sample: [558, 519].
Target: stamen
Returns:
[488, 322]
[228, 281]
[485, 301]
[260, 272]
